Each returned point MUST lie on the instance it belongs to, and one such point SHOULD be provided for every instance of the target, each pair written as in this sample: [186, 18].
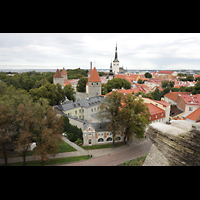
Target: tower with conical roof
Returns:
[59, 77]
[116, 62]
[94, 84]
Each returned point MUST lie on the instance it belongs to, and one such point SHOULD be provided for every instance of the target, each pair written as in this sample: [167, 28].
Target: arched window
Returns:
[100, 140]
[109, 139]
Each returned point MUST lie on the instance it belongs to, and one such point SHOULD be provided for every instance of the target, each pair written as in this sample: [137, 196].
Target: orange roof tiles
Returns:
[174, 95]
[57, 74]
[191, 99]
[165, 72]
[94, 77]
[64, 71]
[194, 115]
[155, 111]
[66, 82]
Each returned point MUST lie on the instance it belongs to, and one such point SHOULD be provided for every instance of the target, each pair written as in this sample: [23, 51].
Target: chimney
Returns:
[90, 65]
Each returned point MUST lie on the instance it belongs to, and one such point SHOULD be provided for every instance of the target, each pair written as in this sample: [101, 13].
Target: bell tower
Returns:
[116, 62]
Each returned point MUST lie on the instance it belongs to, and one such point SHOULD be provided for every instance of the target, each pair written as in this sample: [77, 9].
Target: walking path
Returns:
[101, 157]
[116, 156]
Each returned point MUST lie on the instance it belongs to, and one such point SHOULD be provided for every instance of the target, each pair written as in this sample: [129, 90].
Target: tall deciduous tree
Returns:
[7, 127]
[134, 116]
[49, 129]
[26, 119]
[109, 110]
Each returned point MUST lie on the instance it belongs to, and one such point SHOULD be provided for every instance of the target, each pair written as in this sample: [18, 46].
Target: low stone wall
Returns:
[178, 143]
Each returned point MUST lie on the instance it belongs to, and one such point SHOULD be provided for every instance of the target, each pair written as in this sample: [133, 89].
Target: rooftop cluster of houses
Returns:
[84, 112]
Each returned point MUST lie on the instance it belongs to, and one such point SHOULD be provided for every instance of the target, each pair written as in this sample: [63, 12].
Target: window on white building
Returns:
[190, 108]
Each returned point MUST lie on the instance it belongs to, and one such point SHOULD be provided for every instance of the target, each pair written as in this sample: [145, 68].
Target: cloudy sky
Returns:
[73, 50]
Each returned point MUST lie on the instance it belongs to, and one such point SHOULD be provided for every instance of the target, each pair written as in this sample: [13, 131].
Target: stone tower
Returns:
[116, 63]
[64, 73]
[111, 74]
[58, 78]
[94, 84]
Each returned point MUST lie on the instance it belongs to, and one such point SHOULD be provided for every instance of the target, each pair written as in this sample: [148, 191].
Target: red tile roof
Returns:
[64, 71]
[94, 77]
[195, 115]
[174, 95]
[66, 82]
[154, 110]
[57, 74]
[165, 72]
[191, 99]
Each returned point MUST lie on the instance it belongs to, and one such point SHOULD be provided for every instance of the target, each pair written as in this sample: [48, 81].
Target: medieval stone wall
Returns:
[177, 143]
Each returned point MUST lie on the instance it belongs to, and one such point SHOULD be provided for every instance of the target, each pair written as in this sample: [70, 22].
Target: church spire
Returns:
[116, 59]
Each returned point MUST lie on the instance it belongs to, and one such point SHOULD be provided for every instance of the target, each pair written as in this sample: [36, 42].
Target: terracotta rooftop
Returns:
[57, 74]
[64, 71]
[191, 99]
[195, 115]
[154, 110]
[94, 77]
[165, 72]
[67, 82]
[174, 95]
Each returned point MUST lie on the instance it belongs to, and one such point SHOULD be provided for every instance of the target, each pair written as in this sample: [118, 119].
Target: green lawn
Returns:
[136, 162]
[55, 161]
[64, 147]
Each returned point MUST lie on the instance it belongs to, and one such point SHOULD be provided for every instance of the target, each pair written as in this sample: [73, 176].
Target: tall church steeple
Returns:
[116, 62]
[116, 58]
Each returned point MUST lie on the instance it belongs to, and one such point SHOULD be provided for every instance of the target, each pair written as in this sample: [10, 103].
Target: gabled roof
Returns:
[94, 77]
[64, 71]
[195, 115]
[57, 74]
[174, 95]
[154, 110]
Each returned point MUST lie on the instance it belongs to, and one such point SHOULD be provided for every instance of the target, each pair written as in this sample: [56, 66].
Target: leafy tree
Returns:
[53, 93]
[3, 88]
[69, 92]
[81, 86]
[140, 81]
[166, 83]
[148, 75]
[157, 94]
[7, 127]
[26, 120]
[117, 83]
[109, 109]
[135, 116]
[49, 129]
[181, 74]
[196, 88]
[190, 78]
[76, 73]
[104, 89]
[73, 132]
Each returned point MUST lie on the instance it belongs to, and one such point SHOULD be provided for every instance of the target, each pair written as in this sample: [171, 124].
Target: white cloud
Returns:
[135, 50]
